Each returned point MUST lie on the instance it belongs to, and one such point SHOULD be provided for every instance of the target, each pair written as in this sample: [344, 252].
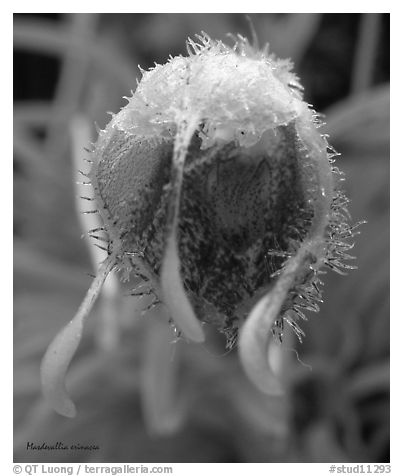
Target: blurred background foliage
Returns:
[140, 398]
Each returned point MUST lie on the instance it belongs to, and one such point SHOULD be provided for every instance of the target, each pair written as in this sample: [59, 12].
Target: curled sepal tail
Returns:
[174, 294]
[63, 347]
[254, 346]
[171, 282]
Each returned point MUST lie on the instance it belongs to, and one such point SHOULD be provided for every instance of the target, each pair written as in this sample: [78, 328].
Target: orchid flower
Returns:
[217, 190]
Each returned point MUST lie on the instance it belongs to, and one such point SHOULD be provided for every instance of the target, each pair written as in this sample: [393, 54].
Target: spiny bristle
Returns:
[142, 288]
[87, 212]
[231, 335]
[101, 247]
[124, 269]
[138, 253]
[142, 276]
[95, 230]
[335, 265]
[307, 295]
[280, 254]
[298, 312]
[148, 292]
[99, 238]
[295, 327]
[278, 330]
[150, 306]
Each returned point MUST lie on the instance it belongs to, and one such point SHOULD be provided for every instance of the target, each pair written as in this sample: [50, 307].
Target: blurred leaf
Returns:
[162, 402]
[35, 271]
[48, 37]
[290, 35]
[371, 379]
[361, 122]
[322, 445]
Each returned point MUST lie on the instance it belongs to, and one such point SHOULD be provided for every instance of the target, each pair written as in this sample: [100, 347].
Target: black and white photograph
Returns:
[201, 239]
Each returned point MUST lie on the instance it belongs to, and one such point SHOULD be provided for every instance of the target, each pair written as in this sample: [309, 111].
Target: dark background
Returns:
[79, 66]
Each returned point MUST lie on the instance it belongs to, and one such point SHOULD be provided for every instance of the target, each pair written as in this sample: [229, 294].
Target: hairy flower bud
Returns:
[216, 188]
